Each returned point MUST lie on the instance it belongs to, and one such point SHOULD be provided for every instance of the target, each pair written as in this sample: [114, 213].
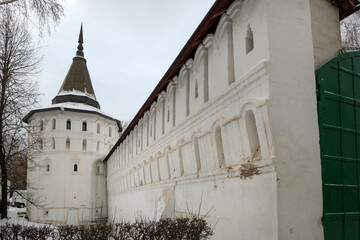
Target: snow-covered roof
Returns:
[77, 93]
[70, 106]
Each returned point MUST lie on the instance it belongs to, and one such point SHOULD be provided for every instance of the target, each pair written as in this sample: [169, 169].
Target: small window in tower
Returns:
[98, 128]
[84, 126]
[168, 115]
[98, 146]
[41, 125]
[41, 146]
[84, 145]
[75, 167]
[68, 124]
[53, 143]
[53, 124]
[48, 167]
[109, 131]
[98, 169]
[68, 143]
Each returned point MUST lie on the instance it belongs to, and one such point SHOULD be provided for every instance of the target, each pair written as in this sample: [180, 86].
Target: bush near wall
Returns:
[193, 228]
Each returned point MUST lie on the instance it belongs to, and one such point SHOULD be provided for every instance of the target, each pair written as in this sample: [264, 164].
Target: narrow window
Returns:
[84, 145]
[196, 90]
[68, 124]
[53, 124]
[53, 143]
[84, 126]
[249, 40]
[219, 147]
[110, 132]
[41, 125]
[48, 167]
[68, 143]
[98, 128]
[168, 115]
[41, 146]
[98, 169]
[75, 167]
[98, 146]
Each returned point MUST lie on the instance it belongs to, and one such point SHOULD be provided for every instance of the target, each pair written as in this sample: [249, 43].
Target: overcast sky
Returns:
[128, 45]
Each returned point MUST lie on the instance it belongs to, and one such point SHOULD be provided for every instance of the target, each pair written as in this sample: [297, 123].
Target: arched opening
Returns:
[68, 124]
[53, 143]
[249, 40]
[84, 126]
[98, 146]
[219, 147]
[75, 167]
[53, 125]
[98, 128]
[197, 154]
[84, 145]
[68, 143]
[252, 133]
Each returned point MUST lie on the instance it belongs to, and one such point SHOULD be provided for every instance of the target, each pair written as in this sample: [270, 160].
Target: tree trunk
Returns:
[3, 206]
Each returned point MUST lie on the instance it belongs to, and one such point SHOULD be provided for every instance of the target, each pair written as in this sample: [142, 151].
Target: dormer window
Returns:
[68, 124]
[84, 126]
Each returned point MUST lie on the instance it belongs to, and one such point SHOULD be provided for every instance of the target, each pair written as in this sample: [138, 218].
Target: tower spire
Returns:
[80, 47]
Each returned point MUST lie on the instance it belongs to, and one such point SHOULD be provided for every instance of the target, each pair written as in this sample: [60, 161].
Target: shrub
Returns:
[193, 228]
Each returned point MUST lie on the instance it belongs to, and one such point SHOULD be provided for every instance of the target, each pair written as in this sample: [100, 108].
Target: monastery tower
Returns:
[66, 178]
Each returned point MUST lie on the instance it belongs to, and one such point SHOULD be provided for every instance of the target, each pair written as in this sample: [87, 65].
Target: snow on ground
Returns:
[13, 217]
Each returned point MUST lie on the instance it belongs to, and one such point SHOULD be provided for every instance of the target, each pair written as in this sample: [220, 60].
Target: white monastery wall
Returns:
[206, 141]
[235, 135]
[59, 190]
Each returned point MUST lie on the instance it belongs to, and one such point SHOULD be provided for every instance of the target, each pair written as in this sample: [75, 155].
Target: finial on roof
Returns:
[80, 47]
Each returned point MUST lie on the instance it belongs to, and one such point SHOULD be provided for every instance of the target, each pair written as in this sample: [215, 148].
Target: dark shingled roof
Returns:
[77, 80]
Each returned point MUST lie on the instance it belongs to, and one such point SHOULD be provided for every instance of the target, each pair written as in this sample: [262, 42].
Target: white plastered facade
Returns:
[235, 135]
[65, 193]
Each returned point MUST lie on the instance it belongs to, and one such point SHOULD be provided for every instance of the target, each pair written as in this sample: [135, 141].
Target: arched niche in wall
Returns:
[252, 133]
[201, 89]
[219, 145]
[170, 103]
[224, 31]
[196, 152]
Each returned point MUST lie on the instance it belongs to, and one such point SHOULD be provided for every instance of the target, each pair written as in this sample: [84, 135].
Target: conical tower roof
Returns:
[77, 85]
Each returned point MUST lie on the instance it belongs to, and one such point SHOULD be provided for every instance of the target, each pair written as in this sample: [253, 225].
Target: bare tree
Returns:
[46, 13]
[350, 32]
[19, 64]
